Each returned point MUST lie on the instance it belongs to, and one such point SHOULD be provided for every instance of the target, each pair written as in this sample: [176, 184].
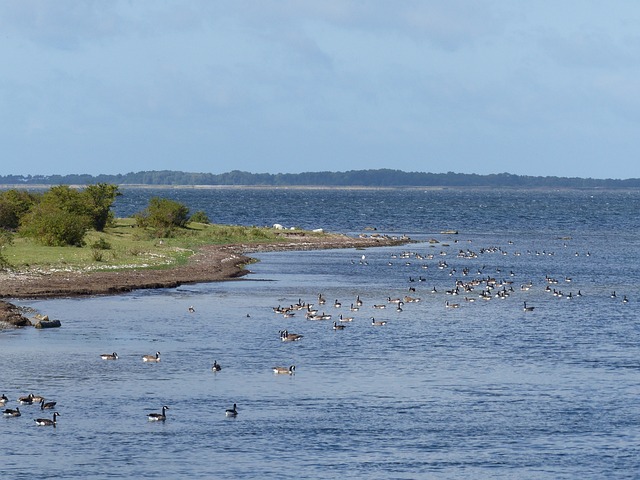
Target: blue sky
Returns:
[529, 88]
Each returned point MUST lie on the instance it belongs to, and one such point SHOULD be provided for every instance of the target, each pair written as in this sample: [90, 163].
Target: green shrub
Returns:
[199, 217]
[163, 215]
[101, 244]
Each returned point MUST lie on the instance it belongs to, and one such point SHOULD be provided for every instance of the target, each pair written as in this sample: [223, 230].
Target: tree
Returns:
[163, 216]
[14, 204]
[100, 198]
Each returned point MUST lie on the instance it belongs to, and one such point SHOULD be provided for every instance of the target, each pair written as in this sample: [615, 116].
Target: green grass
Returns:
[125, 246]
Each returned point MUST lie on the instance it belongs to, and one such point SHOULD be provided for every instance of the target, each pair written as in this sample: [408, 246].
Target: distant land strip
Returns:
[353, 178]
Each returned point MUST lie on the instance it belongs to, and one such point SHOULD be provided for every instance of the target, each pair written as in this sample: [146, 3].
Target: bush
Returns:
[101, 244]
[51, 225]
[199, 217]
[163, 215]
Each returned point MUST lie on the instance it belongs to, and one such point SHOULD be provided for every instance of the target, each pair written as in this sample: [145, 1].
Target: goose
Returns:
[3, 400]
[625, 299]
[158, 417]
[28, 400]
[451, 305]
[379, 306]
[45, 422]
[10, 412]
[285, 370]
[285, 336]
[337, 304]
[47, 405]
[232, 412]
[216, 366]
[321, 299]
[338, 327]
[345, 319]
[358, 301]
[151, 358]
[377, 323]
[109, 356]
[353, 308]
[613, 294]
[191, 309]
[528, 309]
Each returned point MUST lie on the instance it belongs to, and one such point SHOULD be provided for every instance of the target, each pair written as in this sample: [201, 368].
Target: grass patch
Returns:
[124, 245]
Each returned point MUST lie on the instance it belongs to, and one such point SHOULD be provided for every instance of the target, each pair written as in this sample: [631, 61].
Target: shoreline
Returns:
[211, 263]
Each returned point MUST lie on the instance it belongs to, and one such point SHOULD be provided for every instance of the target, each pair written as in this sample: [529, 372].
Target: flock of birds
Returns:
[481, 286]
[32, 399]
[472, 284]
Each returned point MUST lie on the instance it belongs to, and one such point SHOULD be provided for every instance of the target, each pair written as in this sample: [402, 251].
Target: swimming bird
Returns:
[109, 356]
[452, 305]
[28, 400]
[45, 422]
[625, 299]
[216, 366]
[47, 405]
[11, 412]
[345, 319]
[337, 304]
[232, 412]
[338, 327]
[158, 417]
[285, 370]
[377, 323]
[151, 358]
[285, 336]
[358, 301]
[191, 309]
[3, 400]
[354, 308]
[528, 309]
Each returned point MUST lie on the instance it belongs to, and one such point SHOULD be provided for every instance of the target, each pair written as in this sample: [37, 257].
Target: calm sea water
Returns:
[486, 390]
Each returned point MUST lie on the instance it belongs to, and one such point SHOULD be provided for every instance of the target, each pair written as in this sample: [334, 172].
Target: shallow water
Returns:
[485, 390]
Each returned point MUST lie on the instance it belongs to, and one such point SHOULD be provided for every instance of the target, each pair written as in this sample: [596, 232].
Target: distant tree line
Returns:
[352, 178]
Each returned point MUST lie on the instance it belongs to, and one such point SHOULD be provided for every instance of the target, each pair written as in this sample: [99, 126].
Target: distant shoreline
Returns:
[331, 187]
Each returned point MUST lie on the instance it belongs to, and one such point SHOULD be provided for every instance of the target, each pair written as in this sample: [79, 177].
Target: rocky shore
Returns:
[210, 264]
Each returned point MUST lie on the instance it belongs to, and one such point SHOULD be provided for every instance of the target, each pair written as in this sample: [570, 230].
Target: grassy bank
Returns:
[125, 246]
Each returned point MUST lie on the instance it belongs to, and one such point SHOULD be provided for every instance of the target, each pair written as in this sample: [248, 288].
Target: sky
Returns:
[543, 88]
